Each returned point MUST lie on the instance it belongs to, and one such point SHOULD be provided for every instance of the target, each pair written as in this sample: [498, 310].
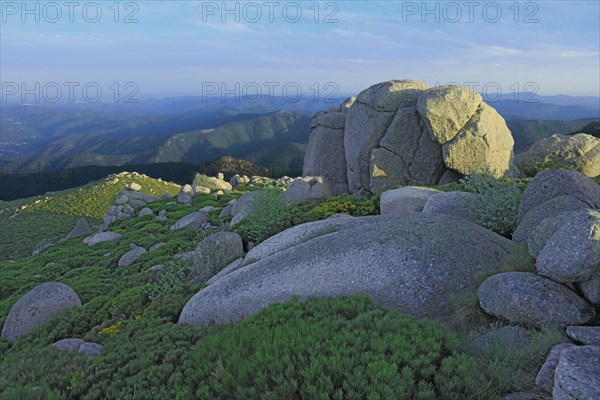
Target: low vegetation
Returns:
[344, 348]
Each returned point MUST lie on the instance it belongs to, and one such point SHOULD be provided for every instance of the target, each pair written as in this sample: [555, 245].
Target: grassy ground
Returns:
[45, 219]
[133, 312]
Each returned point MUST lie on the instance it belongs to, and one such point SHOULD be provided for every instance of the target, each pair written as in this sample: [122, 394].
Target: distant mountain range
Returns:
[182, 132]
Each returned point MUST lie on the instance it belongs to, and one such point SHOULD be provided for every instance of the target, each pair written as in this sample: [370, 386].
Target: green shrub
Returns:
[345, 204]
[268, 216]
[534, 169]
[497, 205]
[332, 349]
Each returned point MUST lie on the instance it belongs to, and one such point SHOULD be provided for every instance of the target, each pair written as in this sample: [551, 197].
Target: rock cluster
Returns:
[402, 133]
[125, 205]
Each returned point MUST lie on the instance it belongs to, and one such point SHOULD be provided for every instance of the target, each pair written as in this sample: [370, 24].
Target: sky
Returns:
[167, 48]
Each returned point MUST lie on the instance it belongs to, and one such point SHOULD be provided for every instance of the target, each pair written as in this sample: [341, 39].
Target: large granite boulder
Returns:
[577, 375]
[547, 209]
[573, 252]
[526, 298]
[325, 154]
[37, 307]
[413, 262]
[553, 183]
[402, 133]
[580, 152]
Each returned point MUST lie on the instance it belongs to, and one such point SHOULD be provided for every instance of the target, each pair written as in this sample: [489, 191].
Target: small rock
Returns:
[88, 348]
[130, 257]
[136, 187]
[158, 267]
[156, 246]
[102, 237]
[145, 211]
[41, 249]
[193, 220]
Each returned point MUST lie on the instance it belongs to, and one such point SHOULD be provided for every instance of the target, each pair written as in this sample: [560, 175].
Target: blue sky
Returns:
[177, 45]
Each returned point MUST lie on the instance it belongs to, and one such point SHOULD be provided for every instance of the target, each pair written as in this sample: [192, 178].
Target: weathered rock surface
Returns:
[527, 298]
[573, 253]
[308, 188]
[102, 237]
[407, 261]
[241, 208]
[405, 199]
[325, 154]
[545, 377]
[193, 220]
[577, 375]
[37, 307]
[451, 203]
[484, 144]
[591, 288]
[588, 335]
[215, 252]
[541, 234]
[234, 265]
[580, 152]
[401, 133]
[547, 209]
[88, 348]
[81, 228]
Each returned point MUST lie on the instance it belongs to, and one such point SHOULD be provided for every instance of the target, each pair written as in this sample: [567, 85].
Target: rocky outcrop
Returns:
[545, 377]
[125, 205]
[215, 252]
[37, 307]
[580, 152]
[407, 261]
[402, 133]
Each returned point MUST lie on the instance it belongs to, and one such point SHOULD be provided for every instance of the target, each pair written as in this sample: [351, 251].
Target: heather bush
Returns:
[497, 205]
[269, 215]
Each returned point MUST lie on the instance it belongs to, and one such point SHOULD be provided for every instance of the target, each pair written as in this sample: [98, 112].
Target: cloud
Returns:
[502, 51]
